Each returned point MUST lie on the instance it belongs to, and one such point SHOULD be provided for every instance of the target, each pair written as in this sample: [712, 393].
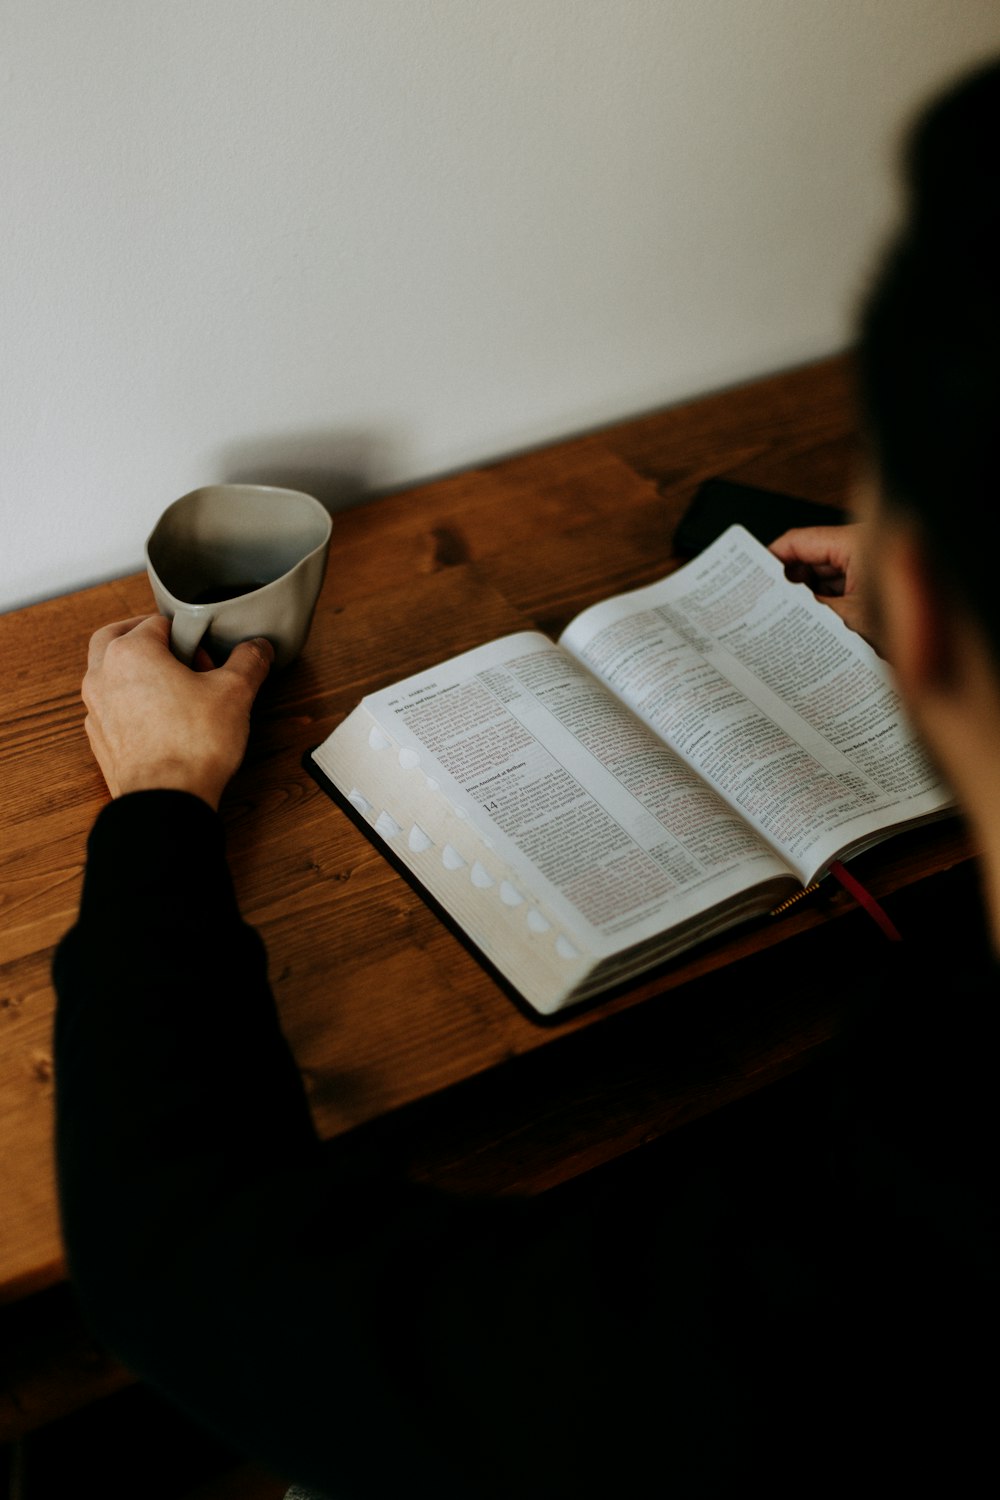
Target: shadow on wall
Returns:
[341, 469]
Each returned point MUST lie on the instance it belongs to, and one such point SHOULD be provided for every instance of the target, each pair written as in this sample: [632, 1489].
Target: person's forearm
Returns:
[212, 1246]
[324, 1316]
[171, 1071]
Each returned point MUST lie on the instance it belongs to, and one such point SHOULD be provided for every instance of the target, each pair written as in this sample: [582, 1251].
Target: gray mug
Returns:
[232, 561]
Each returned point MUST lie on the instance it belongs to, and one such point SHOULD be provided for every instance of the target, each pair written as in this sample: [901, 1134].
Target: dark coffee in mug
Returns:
[215, 594]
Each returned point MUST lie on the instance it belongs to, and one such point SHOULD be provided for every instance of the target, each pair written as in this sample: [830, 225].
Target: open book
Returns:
[688, 755]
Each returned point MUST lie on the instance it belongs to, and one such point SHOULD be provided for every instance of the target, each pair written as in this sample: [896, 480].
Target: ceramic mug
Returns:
[231, 561]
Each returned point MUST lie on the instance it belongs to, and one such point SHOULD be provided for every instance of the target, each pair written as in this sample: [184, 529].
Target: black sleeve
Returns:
[342, 1326]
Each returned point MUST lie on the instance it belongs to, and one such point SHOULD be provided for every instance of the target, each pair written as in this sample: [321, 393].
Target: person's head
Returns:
[929, 386]
[929, 349]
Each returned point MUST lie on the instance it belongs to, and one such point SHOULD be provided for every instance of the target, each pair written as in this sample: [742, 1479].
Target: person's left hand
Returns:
[155, 723]
[828, 559]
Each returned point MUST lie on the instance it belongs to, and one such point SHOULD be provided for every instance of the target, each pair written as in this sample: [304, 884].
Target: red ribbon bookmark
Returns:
[865, 898]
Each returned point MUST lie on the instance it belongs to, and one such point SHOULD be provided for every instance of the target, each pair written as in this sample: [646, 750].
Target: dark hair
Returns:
[929, 345]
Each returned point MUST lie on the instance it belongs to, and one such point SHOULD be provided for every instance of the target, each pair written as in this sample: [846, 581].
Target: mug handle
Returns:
[186, 631]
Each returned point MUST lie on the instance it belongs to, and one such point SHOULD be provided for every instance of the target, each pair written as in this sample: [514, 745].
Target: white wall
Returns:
[353, 243]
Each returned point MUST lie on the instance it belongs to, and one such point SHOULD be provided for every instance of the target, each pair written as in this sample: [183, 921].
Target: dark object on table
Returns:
[719, 503]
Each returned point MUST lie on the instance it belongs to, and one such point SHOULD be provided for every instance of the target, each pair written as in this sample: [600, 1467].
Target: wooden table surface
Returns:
[395, 1025]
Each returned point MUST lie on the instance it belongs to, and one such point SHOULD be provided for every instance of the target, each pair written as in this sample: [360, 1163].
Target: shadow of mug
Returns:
[232, 561]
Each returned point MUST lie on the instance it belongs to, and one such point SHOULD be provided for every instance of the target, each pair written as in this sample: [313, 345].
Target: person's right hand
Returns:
[155, 723]
[828, 559]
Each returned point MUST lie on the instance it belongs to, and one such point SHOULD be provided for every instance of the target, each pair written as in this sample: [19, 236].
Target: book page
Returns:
[611, 830]
[775, 702]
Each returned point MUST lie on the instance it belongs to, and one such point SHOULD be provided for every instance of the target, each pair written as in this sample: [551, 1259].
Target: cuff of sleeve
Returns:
[157, 849]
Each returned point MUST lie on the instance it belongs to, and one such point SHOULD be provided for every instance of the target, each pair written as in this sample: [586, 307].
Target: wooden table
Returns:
[395, 1025]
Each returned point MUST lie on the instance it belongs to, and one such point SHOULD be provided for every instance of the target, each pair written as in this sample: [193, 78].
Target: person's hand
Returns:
[828, 559]
[155, 723]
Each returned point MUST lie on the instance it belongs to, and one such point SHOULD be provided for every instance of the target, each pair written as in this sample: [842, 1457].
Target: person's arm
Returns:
[213, 1248]
[318, 1312]
[322, 1315]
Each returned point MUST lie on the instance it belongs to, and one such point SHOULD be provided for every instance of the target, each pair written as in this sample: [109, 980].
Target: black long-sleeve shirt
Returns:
[793, 1299]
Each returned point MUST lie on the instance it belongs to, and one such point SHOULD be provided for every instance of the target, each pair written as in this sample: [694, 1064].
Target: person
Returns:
[798, 1304]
